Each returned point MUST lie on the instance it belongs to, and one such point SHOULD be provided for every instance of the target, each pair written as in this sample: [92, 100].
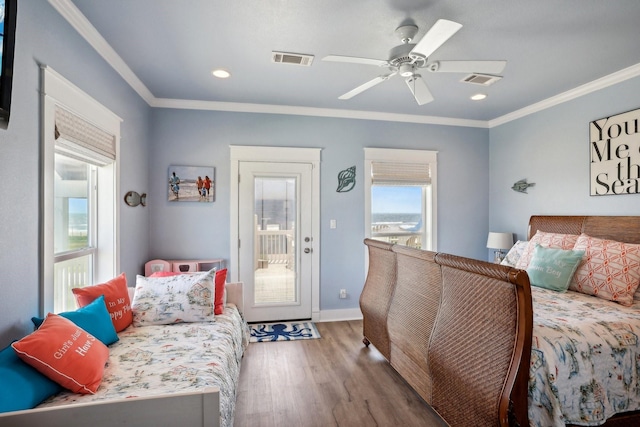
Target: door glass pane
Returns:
[71, 207]
[396, 214]
[274, 236]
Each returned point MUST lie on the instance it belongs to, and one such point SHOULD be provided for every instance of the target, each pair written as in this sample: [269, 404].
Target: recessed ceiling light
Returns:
[221, 74]
[479, 96]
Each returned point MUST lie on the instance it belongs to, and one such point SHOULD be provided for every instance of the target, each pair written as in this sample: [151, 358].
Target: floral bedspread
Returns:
[153, 360]
[585, 359]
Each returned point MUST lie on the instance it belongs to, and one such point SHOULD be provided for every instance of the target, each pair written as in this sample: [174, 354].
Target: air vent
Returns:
[481, 79]
[292, 58]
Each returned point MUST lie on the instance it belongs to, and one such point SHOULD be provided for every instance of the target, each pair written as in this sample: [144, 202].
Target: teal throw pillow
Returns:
[553, 268]
[93, 318]
[21, 386]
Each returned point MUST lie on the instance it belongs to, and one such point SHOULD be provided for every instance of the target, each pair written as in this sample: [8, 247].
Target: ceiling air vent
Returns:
[481, 79]
[292, 58]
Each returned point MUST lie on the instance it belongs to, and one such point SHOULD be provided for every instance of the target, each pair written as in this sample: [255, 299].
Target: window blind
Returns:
[77, 138]
[395, 173]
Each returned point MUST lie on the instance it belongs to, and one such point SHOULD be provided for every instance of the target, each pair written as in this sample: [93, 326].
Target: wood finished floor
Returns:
[332, 381]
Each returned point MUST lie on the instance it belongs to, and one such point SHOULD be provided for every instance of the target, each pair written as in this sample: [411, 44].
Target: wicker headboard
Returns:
[620, 228]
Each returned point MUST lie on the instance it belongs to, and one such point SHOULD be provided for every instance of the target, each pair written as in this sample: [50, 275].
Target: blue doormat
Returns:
[283, 331]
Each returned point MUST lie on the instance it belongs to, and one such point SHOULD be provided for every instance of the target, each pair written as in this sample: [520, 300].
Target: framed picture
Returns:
[615, 154]
[191, 184]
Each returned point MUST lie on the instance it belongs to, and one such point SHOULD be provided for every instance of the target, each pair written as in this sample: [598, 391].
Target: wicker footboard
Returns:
[458, 330]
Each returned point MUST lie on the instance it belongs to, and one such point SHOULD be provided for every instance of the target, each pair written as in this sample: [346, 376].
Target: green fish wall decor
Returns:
[522, 185]
[346, 180]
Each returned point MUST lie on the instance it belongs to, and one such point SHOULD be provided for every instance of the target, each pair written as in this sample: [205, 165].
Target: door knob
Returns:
[307, 250]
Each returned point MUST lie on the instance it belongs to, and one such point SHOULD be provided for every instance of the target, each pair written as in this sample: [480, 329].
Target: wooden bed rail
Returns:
[457, 330]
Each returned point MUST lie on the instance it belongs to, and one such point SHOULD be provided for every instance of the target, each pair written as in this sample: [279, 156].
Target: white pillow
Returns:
[514, 254]
[174, 299]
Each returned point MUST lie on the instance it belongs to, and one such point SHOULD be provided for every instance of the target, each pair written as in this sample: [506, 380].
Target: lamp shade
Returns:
[500, 240]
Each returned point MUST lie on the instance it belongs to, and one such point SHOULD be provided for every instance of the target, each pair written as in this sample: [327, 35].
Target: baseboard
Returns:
[337, 315]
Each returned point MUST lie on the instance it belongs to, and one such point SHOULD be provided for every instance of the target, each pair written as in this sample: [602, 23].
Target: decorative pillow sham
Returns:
[93, 318]
[514, 254]
[611, 269]
[547, 240]
[174, 299]
[65, 353]
[21, 386]
[116, 298]
[221, 278]
[553, 268]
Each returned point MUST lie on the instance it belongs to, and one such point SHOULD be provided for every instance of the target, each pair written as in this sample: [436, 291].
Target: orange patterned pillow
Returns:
[546, 240]
[65, 353]
[116, 297]
[610, 270]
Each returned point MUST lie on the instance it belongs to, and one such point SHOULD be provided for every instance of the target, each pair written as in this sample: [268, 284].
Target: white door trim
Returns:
[278, 154]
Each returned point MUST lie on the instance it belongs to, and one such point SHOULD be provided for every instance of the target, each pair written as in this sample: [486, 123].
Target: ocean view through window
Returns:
[400, 196]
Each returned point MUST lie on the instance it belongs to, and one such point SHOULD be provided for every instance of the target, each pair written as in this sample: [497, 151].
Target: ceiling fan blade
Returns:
[419, 89]
[356, 60]
[367, 85]
[441, 31]
[482, 67]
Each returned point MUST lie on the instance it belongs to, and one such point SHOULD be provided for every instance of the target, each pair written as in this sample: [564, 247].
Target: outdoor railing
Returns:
[72, 273]
[274, 247]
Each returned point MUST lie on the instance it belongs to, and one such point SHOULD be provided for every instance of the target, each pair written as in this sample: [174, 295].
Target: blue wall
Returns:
[551, 148]
[202, 138]
[44, 37]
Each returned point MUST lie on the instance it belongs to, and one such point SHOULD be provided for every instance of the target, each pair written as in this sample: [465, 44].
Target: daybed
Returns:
[180, 374]
[484, 347]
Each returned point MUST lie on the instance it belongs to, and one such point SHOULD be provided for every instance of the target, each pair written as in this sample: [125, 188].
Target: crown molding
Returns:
[585, 89]
[187, 104]
[81, 24]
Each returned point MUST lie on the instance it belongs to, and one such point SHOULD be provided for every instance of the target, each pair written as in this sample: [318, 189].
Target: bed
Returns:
[177, 374]
[432, 315]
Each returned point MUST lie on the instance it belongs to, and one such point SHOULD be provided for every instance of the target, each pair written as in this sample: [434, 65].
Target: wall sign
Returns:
[615, 154]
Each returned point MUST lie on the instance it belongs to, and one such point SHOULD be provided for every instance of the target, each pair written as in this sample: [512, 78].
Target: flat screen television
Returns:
[7, 41]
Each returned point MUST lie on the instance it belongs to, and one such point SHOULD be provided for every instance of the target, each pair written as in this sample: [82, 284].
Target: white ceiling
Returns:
[554, 48]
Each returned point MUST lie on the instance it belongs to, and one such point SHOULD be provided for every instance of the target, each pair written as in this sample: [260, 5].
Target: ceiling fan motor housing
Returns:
[402, 54]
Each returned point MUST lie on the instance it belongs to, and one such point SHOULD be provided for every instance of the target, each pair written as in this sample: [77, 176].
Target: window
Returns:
[79, 241]
[400, 196]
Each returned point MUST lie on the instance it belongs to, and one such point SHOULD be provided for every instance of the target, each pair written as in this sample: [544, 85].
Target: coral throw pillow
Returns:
[546, 240]
[93, 318]
[65, 353]
[610, 270]
[116, 297]
[221, 278]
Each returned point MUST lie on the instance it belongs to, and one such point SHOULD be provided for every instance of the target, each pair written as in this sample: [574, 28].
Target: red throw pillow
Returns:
[218, 302]
[65, 353]
[116, 297]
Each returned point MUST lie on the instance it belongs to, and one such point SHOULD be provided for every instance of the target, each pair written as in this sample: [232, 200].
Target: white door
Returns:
[275, 238]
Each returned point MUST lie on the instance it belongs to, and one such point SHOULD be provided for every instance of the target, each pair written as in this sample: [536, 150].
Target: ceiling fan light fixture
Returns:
[221, 73]
[406, 70]
[479, 96]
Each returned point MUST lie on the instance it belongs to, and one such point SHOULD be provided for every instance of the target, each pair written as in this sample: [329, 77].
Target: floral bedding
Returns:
[165, 359]
[585, 359]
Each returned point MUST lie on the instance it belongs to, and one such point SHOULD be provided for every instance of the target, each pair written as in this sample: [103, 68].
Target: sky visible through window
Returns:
[400, 200]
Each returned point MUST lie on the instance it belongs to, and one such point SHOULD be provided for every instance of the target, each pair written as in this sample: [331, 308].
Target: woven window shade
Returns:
[77, 138]
[392, 173]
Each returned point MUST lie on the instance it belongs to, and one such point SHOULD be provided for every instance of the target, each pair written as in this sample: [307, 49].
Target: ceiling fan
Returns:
[408, 58]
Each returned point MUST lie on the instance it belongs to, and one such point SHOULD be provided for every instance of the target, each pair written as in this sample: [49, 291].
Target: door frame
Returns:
[245, 153]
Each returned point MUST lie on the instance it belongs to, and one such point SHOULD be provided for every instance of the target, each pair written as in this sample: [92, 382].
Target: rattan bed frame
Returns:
[428, 314]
